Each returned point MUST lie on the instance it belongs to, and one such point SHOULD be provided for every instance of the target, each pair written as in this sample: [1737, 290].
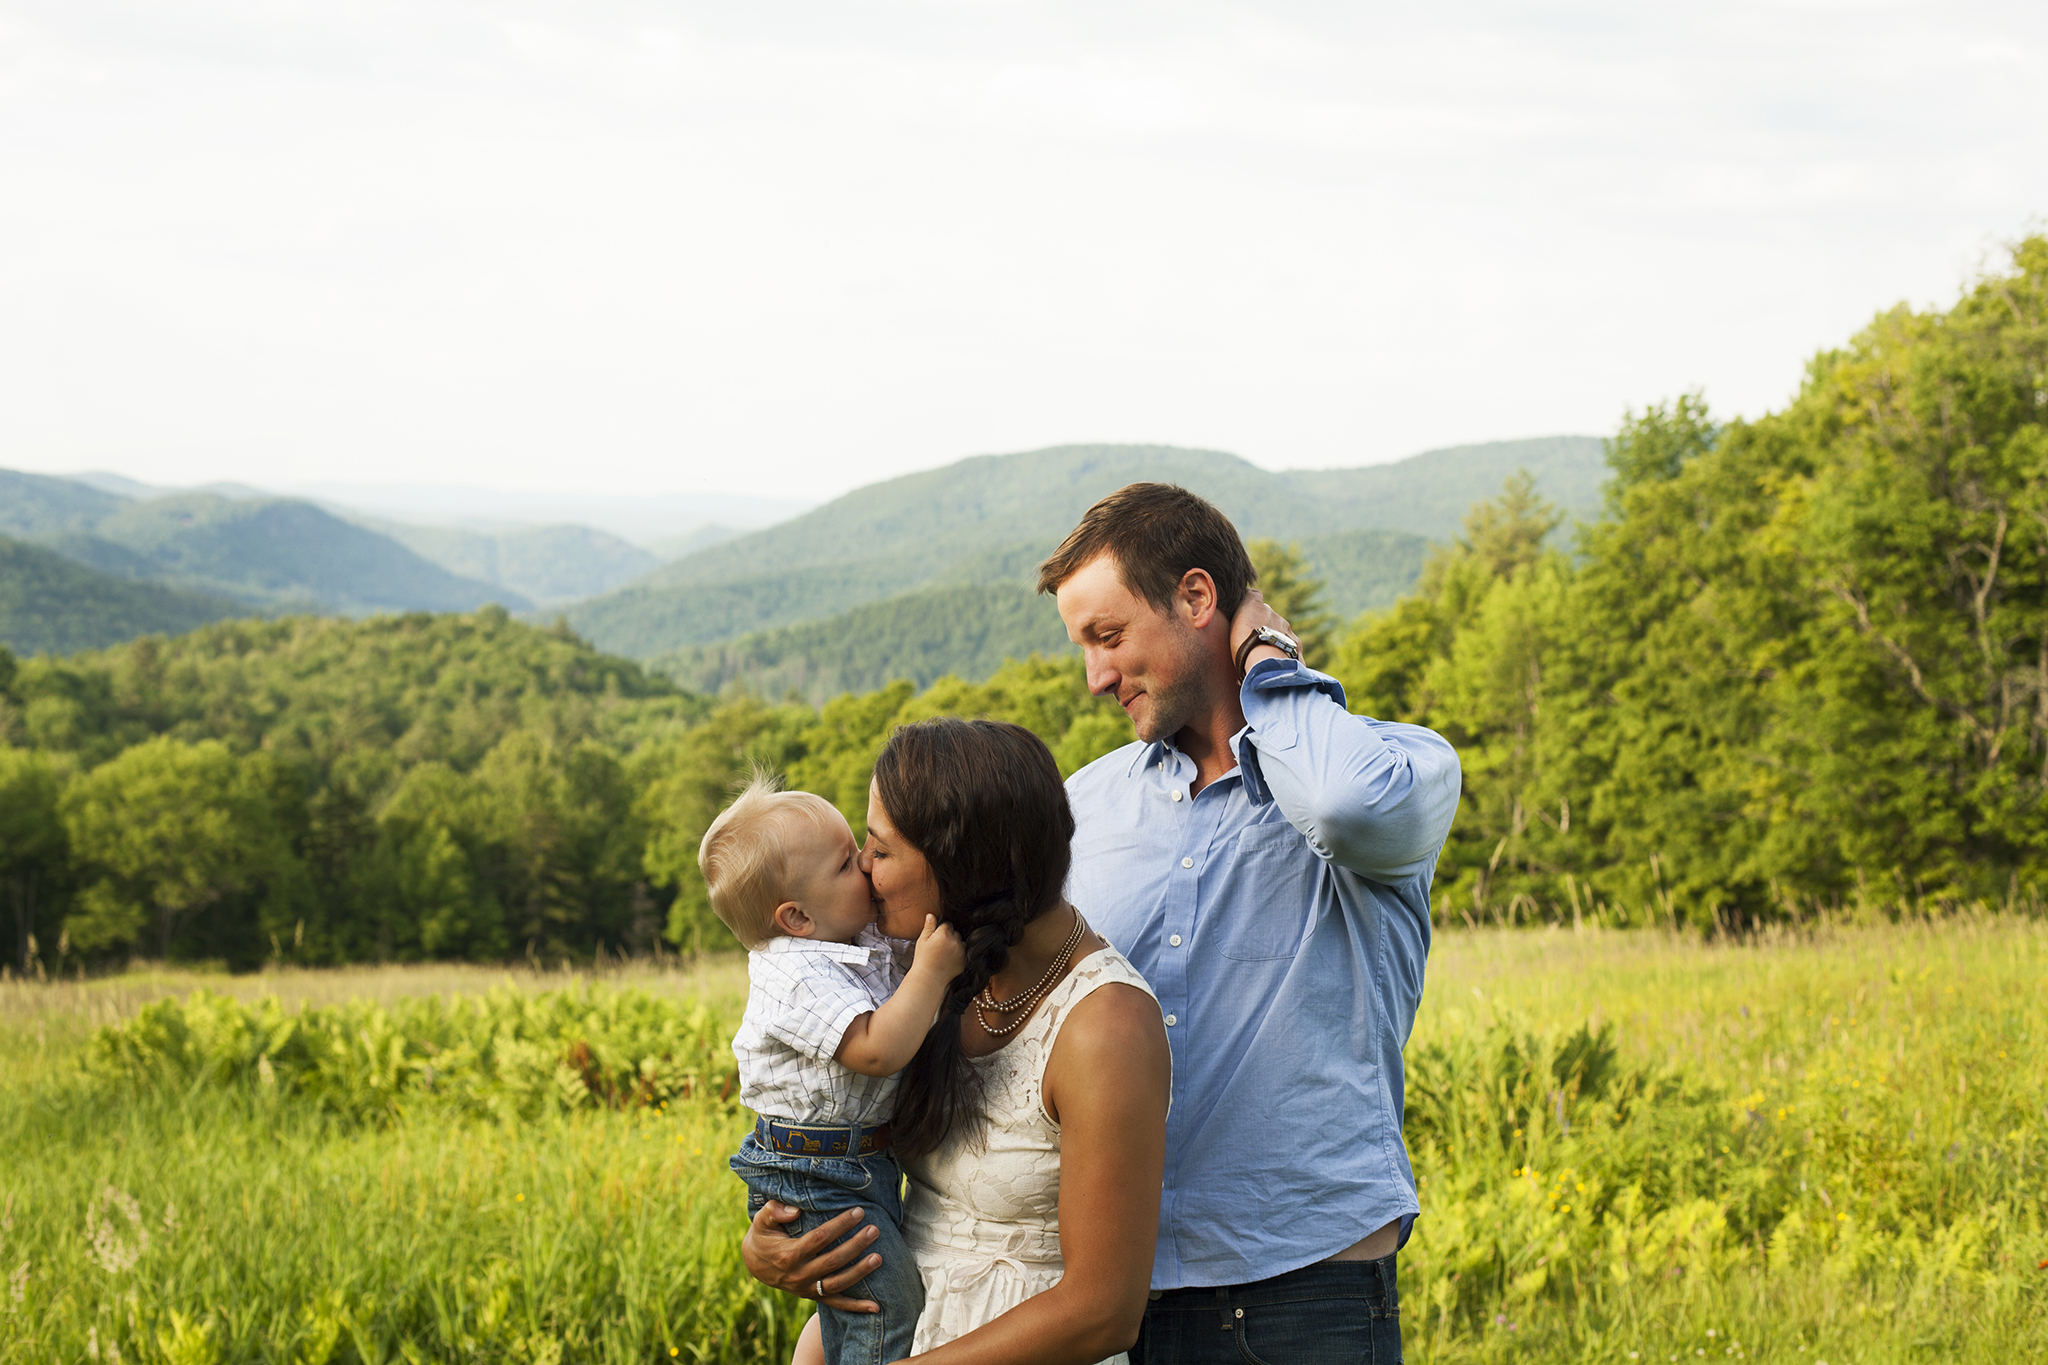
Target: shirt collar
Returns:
[1149, 755]
[1164, 757]
[864, 948]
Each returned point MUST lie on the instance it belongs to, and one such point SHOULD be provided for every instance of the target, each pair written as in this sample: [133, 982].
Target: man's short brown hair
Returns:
[1156, 532]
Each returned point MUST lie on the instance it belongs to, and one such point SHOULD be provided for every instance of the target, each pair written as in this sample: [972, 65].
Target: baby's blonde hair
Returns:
[745, 854]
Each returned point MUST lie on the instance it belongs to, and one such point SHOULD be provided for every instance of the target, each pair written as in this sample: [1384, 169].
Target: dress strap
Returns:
[1105, 967]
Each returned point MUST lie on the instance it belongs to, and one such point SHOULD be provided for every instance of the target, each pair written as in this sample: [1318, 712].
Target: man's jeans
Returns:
[824, 1187]
[1330, 1313]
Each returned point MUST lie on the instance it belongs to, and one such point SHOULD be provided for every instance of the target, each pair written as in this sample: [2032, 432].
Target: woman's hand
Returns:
[801, 1265]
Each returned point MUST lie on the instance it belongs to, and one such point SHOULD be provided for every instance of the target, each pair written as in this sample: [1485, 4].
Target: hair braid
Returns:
[983, 802]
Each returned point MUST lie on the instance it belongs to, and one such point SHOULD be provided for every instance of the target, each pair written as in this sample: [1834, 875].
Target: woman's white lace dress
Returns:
[983, 1221]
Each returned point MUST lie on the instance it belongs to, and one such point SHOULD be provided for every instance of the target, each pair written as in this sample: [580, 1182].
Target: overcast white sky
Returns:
[789, 248]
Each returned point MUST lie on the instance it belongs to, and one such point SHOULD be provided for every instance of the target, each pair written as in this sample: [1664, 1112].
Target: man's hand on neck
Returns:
[1252, 613]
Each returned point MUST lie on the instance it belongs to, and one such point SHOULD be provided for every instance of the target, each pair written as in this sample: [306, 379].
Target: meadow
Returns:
[1815, 1145]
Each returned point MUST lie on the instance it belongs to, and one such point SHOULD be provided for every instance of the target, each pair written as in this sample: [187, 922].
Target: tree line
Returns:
[317, 790]
[1799, 662]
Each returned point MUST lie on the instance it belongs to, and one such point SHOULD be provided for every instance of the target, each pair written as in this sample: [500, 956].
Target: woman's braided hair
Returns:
[983, 802]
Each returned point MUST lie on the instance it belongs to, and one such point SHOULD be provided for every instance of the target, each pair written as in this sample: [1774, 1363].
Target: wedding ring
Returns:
[821, 1291]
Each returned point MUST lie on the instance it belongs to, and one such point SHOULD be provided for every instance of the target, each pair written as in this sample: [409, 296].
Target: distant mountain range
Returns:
[116, 557]
[269, 554]
[645, 519]
[805, 604]
[549, 566]
[913, 577]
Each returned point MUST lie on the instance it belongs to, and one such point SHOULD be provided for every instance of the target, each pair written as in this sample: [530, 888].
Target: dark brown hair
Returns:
[983, 802]
[1157, 532]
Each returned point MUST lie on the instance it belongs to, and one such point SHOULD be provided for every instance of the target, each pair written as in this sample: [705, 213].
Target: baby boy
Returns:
[831, 1018]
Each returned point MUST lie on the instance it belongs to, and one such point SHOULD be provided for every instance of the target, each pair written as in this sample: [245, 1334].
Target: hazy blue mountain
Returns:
[137, 491]
[703, 537]
[643, 518]
[36, 505]
[260, 551]
[48, 604]
[967, 631]
[549, 565]
[991, 518]
[286, 553]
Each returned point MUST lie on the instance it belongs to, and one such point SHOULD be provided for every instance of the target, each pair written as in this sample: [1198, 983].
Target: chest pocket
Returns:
[1261, 912]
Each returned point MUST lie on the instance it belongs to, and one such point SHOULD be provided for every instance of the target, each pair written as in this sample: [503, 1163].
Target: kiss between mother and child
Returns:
[1133, 1038]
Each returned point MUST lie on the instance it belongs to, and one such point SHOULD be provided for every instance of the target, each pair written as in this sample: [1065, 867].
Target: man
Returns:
[1264, 858]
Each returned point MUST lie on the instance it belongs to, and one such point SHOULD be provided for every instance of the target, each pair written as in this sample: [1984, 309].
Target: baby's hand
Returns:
[939, 949]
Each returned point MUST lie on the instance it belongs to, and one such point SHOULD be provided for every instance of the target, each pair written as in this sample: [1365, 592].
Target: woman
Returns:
[1033, 1121]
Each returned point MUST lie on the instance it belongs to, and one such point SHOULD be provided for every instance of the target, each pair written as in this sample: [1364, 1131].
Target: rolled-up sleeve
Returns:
[1373, 796]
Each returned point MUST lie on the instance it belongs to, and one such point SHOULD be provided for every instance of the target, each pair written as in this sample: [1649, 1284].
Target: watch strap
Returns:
[1265, 635]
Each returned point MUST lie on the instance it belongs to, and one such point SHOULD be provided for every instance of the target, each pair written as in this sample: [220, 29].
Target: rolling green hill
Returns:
[967, 631]
[50, 605]
[1428, 494]
[645, 620]
[548, 565]
[988, 520]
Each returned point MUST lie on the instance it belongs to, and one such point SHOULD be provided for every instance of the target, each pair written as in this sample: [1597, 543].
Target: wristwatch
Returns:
[1262, 635]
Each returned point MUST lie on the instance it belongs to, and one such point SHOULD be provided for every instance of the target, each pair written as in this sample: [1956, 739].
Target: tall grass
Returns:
[1825, 1146]
[202, 1227]
[1634, 1147]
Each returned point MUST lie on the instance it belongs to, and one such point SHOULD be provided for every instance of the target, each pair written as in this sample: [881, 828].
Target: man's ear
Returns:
[791, 919]
[1197, 597]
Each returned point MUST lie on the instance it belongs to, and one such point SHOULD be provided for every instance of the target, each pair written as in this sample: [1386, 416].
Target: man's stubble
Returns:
[1179, 696]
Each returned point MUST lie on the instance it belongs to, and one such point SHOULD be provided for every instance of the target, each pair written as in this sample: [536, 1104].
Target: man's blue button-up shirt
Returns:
[1282, 916]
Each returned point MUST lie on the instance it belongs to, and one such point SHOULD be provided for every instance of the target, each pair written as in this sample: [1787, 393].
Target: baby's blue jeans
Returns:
[822, 1188]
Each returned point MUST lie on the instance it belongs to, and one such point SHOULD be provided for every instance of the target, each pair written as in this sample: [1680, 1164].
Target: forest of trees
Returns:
[1797, 663]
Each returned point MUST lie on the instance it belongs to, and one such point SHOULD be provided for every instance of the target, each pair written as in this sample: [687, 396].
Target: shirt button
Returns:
[1176, 793]
[1175, 940]
[1187, 862]
[1171, 1021]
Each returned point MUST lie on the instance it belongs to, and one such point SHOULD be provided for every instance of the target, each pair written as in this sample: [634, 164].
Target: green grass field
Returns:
[1814, 1148]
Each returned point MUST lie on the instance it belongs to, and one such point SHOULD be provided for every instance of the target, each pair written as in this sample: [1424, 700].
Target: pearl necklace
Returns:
[985, 1001]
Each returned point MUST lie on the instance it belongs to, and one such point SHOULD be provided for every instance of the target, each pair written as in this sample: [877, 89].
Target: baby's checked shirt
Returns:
[801, 996]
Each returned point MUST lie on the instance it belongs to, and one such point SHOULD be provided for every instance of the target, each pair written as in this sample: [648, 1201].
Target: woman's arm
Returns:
[1106, 1085]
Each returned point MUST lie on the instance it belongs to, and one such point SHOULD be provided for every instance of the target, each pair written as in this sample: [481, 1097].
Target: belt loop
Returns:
[853, 1135]
[1223, 1319]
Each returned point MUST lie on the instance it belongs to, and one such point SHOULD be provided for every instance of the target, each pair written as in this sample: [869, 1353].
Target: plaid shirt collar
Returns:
[866, 947]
